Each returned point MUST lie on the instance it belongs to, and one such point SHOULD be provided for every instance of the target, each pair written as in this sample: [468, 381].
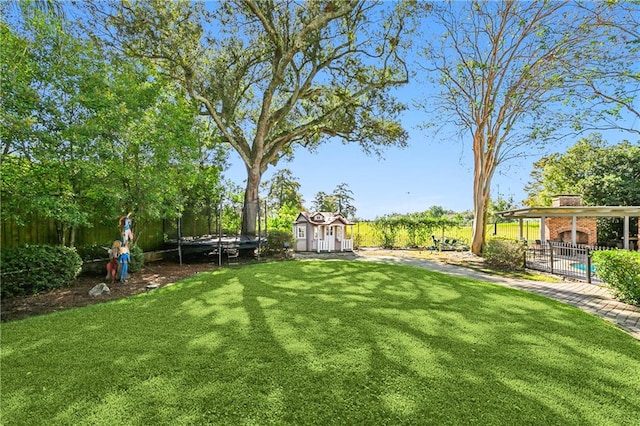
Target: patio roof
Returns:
[570, 211]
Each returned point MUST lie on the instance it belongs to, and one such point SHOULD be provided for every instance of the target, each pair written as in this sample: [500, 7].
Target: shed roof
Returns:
[322, 218]
[578, 211]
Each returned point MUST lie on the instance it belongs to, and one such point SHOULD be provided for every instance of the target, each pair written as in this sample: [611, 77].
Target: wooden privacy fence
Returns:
[149, 234]
[36, 231]
[43, 231]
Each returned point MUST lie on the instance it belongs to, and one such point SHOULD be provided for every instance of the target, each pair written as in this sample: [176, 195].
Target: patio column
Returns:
[626, 233]
[573, 231]
[543, 238]
[520, 229]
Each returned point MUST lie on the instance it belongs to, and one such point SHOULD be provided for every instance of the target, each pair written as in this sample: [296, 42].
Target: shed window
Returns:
[301, 232]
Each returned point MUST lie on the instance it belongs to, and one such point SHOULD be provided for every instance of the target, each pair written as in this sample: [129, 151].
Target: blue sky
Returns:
[431, 170]
[435, 169]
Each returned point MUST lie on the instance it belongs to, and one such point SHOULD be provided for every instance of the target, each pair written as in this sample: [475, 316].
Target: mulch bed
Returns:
[164, 272]
[159, 273]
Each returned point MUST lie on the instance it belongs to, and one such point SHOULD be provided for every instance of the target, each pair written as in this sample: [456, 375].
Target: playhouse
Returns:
[322, 232]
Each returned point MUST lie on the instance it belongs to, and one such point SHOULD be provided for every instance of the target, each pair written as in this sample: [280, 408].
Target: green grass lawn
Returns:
[321, 343]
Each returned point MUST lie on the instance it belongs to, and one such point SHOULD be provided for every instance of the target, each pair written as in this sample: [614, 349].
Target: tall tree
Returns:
[344, 198]
[207, 193]
[605, 175]
[499, 205]
[87, 136]
[283, 199]
[499, 68]
[340, 200]
[273, 75]
[324, 202]
[602, 174]
[283, 189]
[46, 167]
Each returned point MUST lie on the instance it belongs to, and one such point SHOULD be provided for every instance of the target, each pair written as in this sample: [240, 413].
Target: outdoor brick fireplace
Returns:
[559, 228]
[568, 213]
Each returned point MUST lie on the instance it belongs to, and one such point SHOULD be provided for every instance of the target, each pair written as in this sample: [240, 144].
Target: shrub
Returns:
[504, 253]
[387, 235]
[276, 240]
[620, 270]
[357, 241]
[31, 269]
[94, 258]
[87, 253]
[388, 239]
[136, 261]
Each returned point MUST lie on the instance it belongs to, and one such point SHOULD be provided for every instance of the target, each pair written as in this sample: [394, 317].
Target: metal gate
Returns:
[569, 260]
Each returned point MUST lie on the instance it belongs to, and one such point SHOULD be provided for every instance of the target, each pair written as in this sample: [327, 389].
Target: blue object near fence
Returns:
[582, 267]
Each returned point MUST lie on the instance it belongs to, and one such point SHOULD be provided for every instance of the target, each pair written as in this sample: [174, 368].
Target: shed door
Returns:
[329, 239]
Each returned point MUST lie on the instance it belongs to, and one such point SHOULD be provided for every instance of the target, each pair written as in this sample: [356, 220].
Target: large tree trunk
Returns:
[484, 165]
[250, 207]
[480, 202]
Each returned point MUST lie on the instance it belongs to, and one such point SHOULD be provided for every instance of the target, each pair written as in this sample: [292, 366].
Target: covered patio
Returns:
[629, 240]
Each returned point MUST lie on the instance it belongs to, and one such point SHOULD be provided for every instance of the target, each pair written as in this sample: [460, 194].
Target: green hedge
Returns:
[32, 269]
[276, 240]
[94, 258]
[94, 252]
[620, 270]
[137, 259]
[504, 253]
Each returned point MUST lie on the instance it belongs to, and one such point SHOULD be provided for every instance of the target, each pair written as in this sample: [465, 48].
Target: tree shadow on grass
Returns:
[324, 343]
[475, 346]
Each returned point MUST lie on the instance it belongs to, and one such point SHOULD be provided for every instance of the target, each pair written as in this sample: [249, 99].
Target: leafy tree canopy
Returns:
[283, 189]
[276, 75]
[602, 174]
[499, 205]
[324, 202]
[89, 136]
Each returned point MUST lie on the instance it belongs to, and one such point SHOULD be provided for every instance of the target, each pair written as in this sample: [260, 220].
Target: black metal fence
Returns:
[569, 260]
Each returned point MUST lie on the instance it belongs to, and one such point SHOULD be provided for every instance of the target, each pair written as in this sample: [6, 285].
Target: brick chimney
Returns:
[559, 228]
[566, 200]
